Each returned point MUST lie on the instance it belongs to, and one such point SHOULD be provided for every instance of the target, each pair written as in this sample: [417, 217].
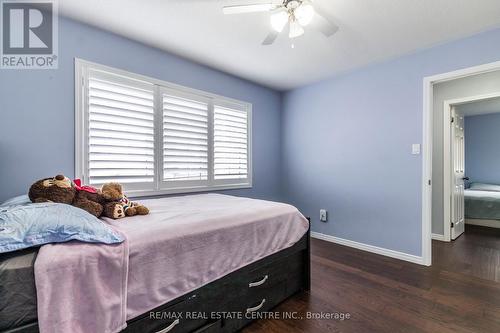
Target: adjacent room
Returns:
[222, 166]
[466, 148]
[482, 157]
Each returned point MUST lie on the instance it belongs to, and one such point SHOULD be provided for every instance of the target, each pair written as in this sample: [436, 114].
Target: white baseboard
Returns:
[438, 237]
[369, 248]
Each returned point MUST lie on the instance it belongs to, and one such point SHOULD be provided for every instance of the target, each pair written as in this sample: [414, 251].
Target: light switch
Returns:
[323, 217]
[415, 149]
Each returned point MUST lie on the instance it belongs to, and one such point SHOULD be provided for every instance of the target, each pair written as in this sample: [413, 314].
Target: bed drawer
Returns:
[184, 316]
[263, 299]
[264, 287]
[254, 303]
[274, 272]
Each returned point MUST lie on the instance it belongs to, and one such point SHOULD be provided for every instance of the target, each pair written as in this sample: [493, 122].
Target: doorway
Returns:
[433, 165]
[463, 204]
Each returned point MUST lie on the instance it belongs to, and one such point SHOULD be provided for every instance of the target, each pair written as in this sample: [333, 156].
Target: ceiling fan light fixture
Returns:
[279, 20]
[304, 13]
[296, 29]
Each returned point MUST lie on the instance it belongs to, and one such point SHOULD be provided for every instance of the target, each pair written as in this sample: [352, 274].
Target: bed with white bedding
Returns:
[482, 205]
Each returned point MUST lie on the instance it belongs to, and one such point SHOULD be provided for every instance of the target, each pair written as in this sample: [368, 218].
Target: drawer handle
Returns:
[258, 283]
[255, 308]
[169, 327]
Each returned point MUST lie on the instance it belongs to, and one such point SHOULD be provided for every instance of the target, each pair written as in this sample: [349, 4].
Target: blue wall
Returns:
[482, 148]
[37, 108]
[344, 143]
[347, 143]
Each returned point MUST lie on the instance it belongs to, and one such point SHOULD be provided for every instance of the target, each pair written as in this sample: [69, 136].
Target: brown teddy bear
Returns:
[88, 198]
[118, 205]
[61, 189]
[57, 189]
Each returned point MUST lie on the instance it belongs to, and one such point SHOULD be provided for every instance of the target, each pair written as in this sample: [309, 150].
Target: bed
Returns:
[262, 258]
[17, 289]
[482, 205]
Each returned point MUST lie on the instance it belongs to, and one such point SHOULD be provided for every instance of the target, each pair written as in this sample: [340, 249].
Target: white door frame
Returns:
[447, 174]
[428, 85]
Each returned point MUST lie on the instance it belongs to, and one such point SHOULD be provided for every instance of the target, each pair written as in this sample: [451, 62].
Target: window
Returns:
[155, 137]
[230, 143]
[185, 138]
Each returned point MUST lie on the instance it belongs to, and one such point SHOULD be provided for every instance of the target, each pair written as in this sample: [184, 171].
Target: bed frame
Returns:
[231, 302]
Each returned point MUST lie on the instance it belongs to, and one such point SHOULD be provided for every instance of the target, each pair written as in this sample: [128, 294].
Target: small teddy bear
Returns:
[118, 205]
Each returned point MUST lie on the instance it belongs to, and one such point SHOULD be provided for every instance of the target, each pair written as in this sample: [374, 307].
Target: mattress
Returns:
[482, 205]
[17, 289]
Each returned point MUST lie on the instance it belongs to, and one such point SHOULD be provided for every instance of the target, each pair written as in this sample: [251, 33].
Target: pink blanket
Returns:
[81, 287]
[183, 244]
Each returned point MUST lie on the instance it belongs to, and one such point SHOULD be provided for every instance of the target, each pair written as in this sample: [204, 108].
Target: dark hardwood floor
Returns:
[460, 292]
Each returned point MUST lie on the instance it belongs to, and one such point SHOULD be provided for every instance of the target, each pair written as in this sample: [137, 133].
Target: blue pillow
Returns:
[19, 200]
[23, 226]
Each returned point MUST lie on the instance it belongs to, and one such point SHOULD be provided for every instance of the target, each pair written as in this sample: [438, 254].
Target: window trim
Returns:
[83, 67]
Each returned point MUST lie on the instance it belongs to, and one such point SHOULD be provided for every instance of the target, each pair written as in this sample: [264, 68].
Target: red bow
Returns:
[79, 187]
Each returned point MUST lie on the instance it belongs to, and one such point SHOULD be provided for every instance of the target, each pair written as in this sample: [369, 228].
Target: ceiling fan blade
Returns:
[327, 28]
[270, 38]
[250, 8]
[324, 24]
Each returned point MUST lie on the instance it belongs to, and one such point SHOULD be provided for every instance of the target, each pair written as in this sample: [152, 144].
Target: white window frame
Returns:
[160, 187]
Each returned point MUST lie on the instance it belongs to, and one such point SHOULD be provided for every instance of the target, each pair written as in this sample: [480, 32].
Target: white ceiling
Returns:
[481, 107]
[370, 31]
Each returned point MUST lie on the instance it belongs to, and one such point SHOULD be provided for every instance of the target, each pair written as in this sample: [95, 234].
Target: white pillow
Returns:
[484, 187]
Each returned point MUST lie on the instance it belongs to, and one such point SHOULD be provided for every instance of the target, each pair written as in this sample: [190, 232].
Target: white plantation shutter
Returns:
[185, 138]
[120, 130]
[230, 143]
[158, 138]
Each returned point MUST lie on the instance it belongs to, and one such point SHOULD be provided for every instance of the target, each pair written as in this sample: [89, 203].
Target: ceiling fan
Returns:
[295, 13]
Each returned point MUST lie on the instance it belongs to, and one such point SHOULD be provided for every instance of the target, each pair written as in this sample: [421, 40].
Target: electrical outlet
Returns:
[323, 215]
